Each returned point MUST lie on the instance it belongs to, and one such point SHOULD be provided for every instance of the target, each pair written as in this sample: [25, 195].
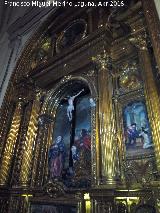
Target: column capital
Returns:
[39, 93]
[102, 60]
[140, 41]
[25, 89]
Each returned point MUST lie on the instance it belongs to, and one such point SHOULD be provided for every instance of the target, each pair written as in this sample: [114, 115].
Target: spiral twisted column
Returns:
[9, 147]
[20, 142]
[29, 142]
[43, 142]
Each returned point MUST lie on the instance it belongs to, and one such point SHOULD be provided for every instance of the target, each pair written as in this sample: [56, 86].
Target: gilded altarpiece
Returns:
[83, 127]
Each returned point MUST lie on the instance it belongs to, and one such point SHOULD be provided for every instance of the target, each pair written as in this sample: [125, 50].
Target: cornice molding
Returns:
[26, 23]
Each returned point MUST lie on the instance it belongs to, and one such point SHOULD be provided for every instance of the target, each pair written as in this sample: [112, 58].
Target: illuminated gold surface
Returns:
[128, 201]
[29, 144]
[10, 145]
[88, 206]
[36, 163]
[42, 164]
[119, 139]
[153, 102]
[87, 202]
[158, 206]
[107, 132]
[106, 119]
[98, 166]
[129, 78]
[27, 195]
[153, 27]
[151, 94]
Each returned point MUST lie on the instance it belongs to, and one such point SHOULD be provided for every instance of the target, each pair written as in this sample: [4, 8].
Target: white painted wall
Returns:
[157, 3]
[12, 42]
[8, 61]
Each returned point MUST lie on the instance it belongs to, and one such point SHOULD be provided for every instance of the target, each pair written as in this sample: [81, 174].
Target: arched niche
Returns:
[71, 157]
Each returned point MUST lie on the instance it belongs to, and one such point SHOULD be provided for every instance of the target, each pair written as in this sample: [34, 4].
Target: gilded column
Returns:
[46, 148]
[81, 202]
[103, 206]
[119, 136]
[107, 127]
[96, 165]
[153, 26]
[158, 205]
[36, 173]
[43, 142]
[151, 93]
[20, 142]
[9, 149]
[19, 203]
[29, 144]
[6, 115]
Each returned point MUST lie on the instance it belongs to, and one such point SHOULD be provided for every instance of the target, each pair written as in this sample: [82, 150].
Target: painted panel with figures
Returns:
[71, 145]
[137, 131]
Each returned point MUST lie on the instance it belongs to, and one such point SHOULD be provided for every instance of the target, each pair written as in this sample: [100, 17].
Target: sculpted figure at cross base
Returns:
[70, 106]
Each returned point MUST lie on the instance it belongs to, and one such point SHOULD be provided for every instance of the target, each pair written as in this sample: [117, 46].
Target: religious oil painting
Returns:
[71, 144]
[137, 131]
[40, 208]
[81, 146]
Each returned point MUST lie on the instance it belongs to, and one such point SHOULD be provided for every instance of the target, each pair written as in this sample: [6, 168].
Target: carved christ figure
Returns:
[70, 107]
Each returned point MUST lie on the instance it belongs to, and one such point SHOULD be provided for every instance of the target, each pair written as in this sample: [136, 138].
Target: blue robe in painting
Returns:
[56, 159]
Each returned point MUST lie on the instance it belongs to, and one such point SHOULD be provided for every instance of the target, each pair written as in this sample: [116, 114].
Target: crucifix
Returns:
[72, 119]
[70, 106]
